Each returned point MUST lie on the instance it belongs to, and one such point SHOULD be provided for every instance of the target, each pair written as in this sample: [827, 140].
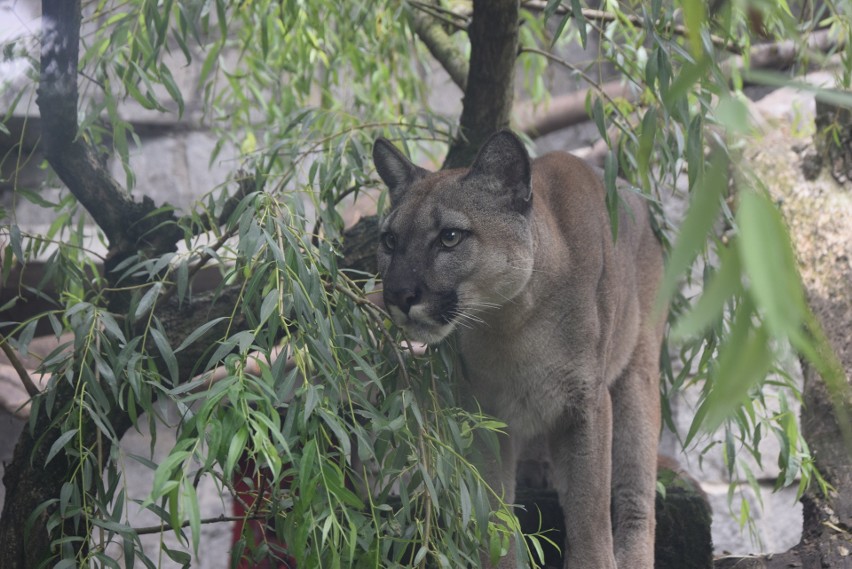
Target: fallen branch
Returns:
[782, 54]
[565, 110]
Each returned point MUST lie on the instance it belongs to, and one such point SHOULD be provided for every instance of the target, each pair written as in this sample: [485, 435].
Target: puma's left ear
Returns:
[395, 170]
[504, 157]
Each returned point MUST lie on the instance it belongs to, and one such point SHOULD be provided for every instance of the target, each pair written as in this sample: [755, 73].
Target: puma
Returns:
[556, 326]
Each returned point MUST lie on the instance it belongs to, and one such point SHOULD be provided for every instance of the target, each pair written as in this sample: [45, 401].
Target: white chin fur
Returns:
[419, 327]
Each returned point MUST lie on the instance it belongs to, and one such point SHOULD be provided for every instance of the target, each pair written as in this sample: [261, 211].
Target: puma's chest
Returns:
[529, 380]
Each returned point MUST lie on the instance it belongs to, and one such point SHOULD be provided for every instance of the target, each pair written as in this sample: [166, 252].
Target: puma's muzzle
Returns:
[426, 318]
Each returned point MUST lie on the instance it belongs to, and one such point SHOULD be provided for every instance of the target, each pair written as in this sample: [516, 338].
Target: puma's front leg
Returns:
[580, 448]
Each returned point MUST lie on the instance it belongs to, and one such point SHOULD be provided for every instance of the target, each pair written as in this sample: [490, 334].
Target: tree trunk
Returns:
[491, 79]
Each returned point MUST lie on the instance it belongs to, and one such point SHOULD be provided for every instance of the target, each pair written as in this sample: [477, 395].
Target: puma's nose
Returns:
[403, 298]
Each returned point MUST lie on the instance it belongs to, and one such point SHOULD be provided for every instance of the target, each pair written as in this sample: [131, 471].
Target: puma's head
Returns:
[455, 243]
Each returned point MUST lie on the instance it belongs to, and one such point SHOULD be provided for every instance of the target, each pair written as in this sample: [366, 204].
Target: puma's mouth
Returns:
[428, 321]
[422, 327]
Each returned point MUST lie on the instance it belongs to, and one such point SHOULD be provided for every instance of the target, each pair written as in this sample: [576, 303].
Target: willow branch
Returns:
[639, 22]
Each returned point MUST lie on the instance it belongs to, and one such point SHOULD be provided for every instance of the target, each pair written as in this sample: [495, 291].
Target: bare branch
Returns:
[122, 219]
[439, 43]
[565, 110]
[31, 388]
[204, 521]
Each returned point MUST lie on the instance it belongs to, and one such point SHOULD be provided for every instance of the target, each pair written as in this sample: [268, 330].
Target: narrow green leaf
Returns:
[166, 352]
[421, 555]
[182, 280]
[235, 449]
[744, 360]
[699, 220]
[172, 88]
[269, 305]
[176, 555]
[26, 336]
[466, 504]
[550, 8]
[709, 308]
[15, 241]
[340, 433]
[577, 13]
[162, 476]
[111, 326]
[198, 332]
[147, 301]
[59, 444]
[694, 16]
[646, 143]
[599, 118]
[193, 512]
[695, 150]
[768, 260]
[733, 114]
[175, 520]
[685, 79]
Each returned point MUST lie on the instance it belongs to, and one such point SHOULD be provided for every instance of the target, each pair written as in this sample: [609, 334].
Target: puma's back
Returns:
[554, 321]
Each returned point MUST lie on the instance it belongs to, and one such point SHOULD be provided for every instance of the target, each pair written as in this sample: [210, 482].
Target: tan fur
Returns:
[554, 323]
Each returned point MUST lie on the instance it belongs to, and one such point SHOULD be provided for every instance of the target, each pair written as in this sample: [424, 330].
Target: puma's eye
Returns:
[389, 241]
[451, 237]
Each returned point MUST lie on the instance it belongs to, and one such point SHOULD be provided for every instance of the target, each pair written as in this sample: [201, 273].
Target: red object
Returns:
[250, 485]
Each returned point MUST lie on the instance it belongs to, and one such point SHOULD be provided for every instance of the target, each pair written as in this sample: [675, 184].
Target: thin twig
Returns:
[31, 388]
[221, 518]
[639, 22]
[441, 14]
[440, 9]
[577, 70]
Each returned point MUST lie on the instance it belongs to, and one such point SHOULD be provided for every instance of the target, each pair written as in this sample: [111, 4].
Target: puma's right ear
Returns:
[395, 170]
[504, 158]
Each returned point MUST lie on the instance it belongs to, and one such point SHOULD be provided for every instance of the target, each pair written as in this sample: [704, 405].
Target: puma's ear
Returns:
[395, 170]
[503, 157]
